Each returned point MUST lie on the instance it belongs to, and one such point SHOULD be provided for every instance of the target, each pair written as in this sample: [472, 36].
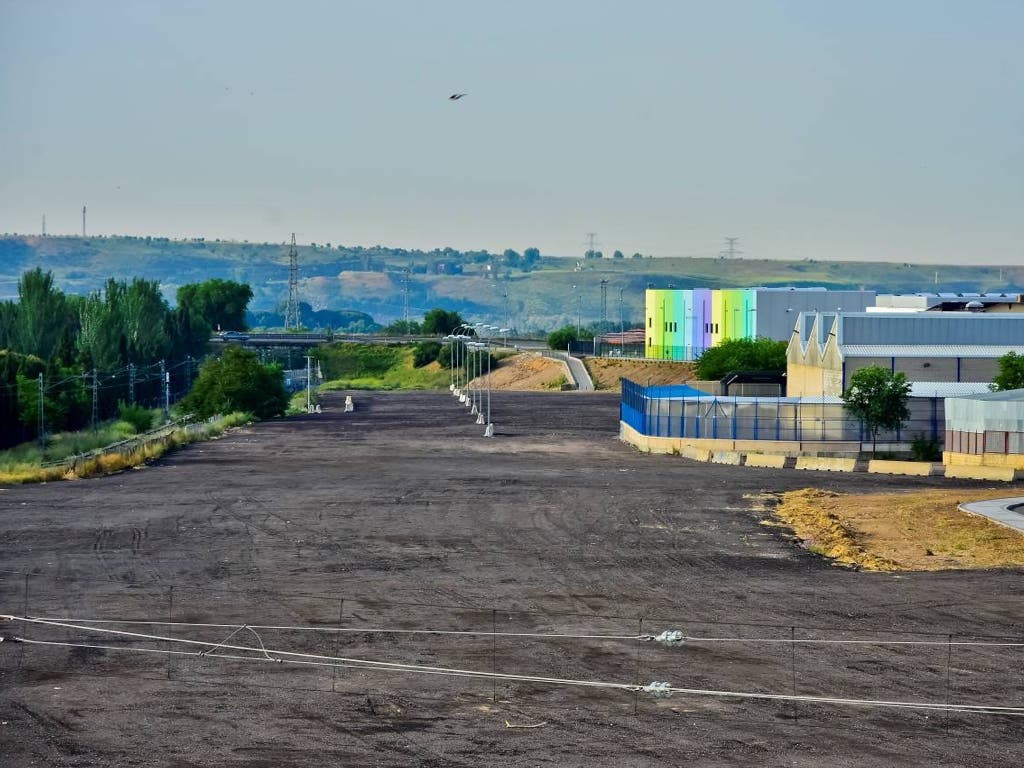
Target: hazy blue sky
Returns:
[878, 130]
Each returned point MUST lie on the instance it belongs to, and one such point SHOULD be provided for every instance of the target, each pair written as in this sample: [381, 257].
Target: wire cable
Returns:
[543, 635]
[658, 689]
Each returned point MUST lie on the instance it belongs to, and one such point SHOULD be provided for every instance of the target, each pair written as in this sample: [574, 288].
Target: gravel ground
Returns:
[401, 516]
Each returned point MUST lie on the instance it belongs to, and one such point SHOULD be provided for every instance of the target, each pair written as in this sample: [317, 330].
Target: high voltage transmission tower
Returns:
[291, 312]
[591, 243]
[405, 290]
[730, 251]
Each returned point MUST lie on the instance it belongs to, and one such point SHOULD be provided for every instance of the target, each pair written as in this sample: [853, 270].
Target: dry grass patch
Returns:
[916, 531]
[607, 372]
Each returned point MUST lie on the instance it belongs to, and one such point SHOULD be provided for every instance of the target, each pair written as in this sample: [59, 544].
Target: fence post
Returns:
[636, 671]
[337, 644]
[170, 624]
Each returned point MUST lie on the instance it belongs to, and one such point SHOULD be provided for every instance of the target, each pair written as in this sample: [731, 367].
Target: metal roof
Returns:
[947, 388]
[1003, 329]
[928, 350]
[1010, 395]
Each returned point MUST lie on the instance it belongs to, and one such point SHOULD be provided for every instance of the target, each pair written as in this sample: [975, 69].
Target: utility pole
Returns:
[131, 383]
[83, 221]
[309, 382]
[41, 428]
[44, 225]
[95, 397]
[730, 251]
[622, 330]
[604, 312]
[165, 377]
[291, 312]
[579, 310]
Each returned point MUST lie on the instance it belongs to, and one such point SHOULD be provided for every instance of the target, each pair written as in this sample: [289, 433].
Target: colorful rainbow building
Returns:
[681, 324]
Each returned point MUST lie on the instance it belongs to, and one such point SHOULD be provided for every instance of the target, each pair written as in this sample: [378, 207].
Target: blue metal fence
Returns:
[681, 411]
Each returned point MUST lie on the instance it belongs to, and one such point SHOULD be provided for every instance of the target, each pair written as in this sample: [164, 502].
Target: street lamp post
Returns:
[622, 328]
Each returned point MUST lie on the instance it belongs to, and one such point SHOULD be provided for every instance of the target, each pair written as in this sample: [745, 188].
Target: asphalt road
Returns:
[401, 517]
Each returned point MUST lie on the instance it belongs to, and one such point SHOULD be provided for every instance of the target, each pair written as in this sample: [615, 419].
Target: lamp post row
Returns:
[473, 397]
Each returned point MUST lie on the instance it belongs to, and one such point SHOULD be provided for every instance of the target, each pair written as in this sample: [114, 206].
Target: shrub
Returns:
[237, 382]
[924, 448]
[140, 418]
[425, 353]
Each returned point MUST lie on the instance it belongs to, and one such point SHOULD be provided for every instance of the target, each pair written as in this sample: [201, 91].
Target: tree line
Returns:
[61, 353]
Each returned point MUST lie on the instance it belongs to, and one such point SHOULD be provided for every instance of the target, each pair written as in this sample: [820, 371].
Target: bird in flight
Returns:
[456, 96]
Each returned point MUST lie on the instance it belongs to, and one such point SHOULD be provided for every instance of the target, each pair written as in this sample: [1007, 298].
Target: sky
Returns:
[883, 131]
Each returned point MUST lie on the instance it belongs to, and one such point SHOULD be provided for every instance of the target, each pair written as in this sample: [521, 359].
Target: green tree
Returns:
[530, 258]
[441, 322]
[144, 321]
[618, 255]
[1011, 373]
[237, 382]
[560, 338]
[221, 304]
[403, 328]
[512, 259]
[878, 398]
[41, 314]
[735, 355]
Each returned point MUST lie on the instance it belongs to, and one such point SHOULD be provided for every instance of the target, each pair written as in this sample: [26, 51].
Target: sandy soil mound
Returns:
[920, 531]
[527, 371]
[606, 372]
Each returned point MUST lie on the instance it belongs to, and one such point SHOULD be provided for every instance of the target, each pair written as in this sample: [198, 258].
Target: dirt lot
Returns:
[401, 516]
[530, 371]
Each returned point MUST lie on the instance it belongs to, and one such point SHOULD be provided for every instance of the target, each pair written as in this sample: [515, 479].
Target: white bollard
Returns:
[349, 405]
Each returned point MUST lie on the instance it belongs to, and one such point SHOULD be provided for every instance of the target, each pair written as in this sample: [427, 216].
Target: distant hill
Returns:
[537, 294]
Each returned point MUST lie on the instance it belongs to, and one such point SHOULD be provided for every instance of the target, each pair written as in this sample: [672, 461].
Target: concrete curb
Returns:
[998, 510]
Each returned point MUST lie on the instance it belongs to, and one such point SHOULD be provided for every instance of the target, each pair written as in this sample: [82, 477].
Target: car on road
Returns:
[232, 336]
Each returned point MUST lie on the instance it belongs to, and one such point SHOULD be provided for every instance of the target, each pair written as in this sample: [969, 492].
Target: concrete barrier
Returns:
[697, 454]
[917, 468]
[827, 464]
[769, 460]
[999, 474]
[349, 405]
[734, 458]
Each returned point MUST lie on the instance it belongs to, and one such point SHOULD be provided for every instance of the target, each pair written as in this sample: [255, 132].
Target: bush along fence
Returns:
[136, 449]
[680, 411]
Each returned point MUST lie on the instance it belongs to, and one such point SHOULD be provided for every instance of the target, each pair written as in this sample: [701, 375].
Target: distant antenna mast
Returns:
[44, 225]
[291, 312]
[730, 251]
[83, 221]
